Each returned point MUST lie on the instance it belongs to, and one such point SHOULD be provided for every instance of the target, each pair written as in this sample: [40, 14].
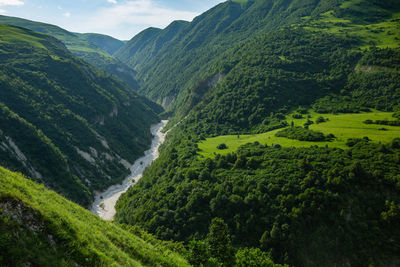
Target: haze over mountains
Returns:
[96, 49]
[284, 146]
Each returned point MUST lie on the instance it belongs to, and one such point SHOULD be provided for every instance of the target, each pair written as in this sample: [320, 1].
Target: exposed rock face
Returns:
[9, 145]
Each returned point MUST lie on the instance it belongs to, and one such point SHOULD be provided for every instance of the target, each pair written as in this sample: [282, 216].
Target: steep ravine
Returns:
[104, 204]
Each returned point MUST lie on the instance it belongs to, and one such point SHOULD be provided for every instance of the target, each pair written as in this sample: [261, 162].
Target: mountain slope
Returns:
[313, 205]
[63, 122]
[196, 45]
[106, 43]
[81, 47]
[143, 46]
[40, 228]
[213, 37]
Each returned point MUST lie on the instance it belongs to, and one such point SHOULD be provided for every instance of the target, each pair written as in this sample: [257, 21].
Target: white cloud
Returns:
[11, 3]
[133, 16]
[2, 11]
[112, 1]
[67, 14]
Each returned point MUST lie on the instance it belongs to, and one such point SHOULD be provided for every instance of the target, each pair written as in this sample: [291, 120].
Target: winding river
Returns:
[104, 203]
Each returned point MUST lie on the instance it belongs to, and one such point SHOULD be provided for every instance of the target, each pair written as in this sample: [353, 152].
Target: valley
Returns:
[260, 133]
[104, 203]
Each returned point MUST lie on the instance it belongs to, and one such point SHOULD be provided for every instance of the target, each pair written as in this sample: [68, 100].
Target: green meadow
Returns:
[343, 126]
[11, 34]
[382, 34]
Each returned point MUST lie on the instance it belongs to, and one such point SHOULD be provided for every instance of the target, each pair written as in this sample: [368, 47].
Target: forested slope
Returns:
[197, 45]
[105, 42]
[87, 47]
[318, 206]
[62, 121]
[145, 45]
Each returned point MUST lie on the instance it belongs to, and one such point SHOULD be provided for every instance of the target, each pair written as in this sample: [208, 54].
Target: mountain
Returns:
[63, 122]
[285, 115]
[194, 46]
[105, 42]
[40, 228]
[197, 48]
[81, 46]
[145, 45]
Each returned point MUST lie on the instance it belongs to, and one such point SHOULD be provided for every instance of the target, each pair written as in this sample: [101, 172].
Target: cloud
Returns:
[2, 11]
[132, 17]
[67, 14]
[112, 1]
[11, 3]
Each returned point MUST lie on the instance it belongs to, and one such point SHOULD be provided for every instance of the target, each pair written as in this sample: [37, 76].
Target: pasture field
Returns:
[343, 126]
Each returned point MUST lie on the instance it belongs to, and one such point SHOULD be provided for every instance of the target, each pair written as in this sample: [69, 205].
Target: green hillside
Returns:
[40, 228]
[195, 55]
[82, 47]
[106, 43]
[283, 146]
[145, 45]
[197, 45]
[234, 79]
[63, 122]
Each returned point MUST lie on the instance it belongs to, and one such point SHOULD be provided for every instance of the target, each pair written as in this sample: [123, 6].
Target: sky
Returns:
[121, 19]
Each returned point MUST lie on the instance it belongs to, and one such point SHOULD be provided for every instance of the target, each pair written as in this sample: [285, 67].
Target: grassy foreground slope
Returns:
[63, 122]
[82, 46]
[40, 228]
[342, 126]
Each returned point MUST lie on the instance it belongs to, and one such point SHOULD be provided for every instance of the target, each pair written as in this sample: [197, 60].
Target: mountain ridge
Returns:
[81, 47]
[83, 118]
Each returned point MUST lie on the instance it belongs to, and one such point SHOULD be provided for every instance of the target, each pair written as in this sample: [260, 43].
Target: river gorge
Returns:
[104, 203]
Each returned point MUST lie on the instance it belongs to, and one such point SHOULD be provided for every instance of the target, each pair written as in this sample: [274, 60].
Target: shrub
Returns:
[222, 146]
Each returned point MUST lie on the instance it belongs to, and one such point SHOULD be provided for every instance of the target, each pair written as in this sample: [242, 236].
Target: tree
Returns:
[197, 254]
[219, 242]
[253, 257]
[222, 146]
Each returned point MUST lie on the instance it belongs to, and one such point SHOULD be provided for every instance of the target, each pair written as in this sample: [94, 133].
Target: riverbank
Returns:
[104, 203]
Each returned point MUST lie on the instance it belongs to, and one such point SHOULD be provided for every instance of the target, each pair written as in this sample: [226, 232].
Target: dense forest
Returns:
[317, 206]
[62, 121]
[307, 207]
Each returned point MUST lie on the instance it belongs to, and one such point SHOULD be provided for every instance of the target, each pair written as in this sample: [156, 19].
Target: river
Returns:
[104, 203]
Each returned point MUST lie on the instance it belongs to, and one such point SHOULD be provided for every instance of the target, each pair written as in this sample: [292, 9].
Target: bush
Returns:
[320, 120]
[222, 146]
[297, 116]
[303, 134]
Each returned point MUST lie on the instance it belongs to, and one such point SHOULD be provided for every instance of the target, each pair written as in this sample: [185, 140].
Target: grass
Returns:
[79, 236]
[343, 126]
[383, 34]
[72, 42]
[9, 35]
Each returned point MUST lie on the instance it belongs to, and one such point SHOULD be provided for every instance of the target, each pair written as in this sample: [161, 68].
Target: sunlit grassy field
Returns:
[9, 34]
[343, 126]
[383, 34]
